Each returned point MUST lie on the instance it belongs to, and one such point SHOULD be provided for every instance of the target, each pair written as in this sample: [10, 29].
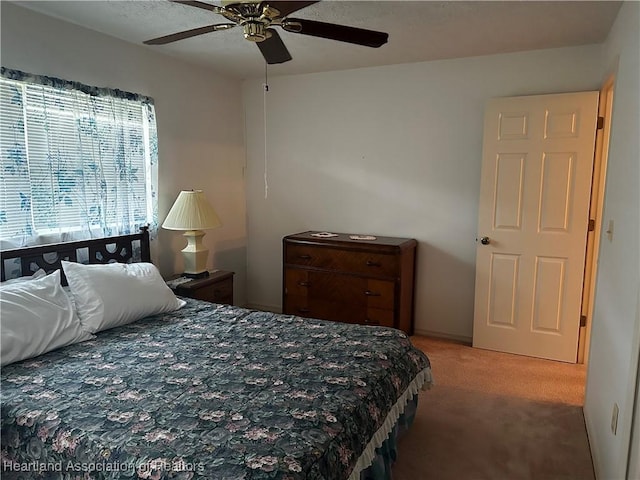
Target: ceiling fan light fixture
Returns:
[292, 26]
[270, 12]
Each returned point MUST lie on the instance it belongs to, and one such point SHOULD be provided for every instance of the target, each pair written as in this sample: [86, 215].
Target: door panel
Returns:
[548, 285]
[503, 287]
[556, 192]
[534, 207]
[507, 207]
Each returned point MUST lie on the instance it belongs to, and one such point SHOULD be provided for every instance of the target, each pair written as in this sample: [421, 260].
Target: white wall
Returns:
[634, 452]
[615, 337]
[390, 151]
[199, 117]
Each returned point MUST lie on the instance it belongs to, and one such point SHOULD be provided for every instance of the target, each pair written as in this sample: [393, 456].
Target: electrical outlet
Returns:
[614, 418]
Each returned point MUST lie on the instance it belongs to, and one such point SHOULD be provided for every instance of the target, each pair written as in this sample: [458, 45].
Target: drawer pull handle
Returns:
[304, 257]
[372, 264]
[304, 310]
[303, 284]
[369, 293]
[370, 322]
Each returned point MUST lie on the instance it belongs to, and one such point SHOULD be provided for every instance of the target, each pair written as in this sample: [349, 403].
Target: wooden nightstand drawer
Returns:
[216, 288]
[223, 292]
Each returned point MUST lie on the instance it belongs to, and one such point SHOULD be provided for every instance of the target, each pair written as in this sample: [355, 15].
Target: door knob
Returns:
[485, 241]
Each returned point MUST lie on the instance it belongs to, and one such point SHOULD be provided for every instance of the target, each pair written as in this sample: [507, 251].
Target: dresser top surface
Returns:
[346, 240]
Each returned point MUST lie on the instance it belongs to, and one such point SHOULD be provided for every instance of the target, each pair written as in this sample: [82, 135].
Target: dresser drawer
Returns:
[339, 288]
[363, 263]
[296, 282]
[296, 305]
[380, 294]
[323, 309]
[377, 316]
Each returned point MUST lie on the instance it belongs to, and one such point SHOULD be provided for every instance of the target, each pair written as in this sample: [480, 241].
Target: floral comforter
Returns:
[209, 391]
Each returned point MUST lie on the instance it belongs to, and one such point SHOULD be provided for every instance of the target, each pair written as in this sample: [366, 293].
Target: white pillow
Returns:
[38, 274]
[37, 317]
[114, 294]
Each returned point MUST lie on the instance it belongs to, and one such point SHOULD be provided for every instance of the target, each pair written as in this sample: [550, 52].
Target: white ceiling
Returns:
[418, 30]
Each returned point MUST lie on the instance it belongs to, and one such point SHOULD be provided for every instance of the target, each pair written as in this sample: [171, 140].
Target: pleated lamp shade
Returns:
[192, 213]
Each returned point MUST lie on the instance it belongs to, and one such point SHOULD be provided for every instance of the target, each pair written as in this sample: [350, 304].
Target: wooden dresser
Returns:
[346, 280]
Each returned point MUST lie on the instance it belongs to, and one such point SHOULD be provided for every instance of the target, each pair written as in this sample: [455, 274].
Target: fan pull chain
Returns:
[266, 89]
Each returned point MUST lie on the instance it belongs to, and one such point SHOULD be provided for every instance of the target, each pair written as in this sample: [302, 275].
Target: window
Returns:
[75, 161]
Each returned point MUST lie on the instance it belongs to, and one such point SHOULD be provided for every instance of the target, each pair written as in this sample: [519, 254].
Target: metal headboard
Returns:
[122, 249]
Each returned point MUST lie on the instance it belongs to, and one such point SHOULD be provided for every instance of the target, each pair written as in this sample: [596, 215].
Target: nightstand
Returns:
[216, 288]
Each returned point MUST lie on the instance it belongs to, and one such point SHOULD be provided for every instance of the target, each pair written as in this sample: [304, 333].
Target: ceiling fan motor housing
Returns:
[254, 18]
[255, 31]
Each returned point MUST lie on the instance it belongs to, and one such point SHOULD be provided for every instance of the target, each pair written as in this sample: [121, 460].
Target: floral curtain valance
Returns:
[61, 84]
[75, 161]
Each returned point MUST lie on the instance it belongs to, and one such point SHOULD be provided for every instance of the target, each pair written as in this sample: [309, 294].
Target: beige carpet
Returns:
[496, 416]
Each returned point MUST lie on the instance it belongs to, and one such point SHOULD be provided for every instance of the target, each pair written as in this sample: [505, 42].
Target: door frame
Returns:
[601, 153]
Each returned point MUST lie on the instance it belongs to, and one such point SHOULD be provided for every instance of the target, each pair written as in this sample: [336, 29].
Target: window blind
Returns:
[73, 164]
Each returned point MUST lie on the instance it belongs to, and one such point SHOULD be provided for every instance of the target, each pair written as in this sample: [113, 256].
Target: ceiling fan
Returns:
[257, 19]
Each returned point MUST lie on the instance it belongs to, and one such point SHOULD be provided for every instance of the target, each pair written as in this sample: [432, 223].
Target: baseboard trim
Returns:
[446, 336]
[593, 442]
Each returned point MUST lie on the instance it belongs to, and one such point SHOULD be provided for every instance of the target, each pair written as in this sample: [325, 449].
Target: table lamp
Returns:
[192, 213]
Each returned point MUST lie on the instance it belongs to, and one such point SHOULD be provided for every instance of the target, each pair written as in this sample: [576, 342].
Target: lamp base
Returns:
[204, 274]
[195, 255]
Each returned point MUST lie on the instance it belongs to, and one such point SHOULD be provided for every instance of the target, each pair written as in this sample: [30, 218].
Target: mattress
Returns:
[210, 392]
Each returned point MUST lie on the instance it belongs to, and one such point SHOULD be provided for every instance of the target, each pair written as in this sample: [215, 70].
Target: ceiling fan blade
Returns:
[188, 34]
[193, 3]
[273, 49]
[341, 33]
[286, 7]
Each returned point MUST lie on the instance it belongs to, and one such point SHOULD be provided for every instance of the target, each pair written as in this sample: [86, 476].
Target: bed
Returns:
[205, 391]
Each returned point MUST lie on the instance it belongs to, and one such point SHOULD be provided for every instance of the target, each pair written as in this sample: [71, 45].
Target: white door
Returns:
[533, 218]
